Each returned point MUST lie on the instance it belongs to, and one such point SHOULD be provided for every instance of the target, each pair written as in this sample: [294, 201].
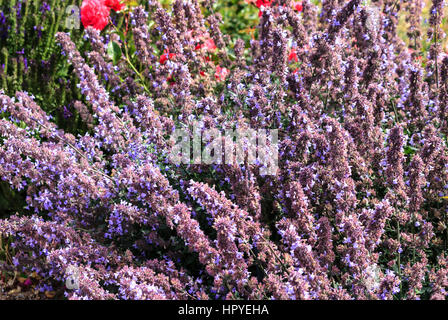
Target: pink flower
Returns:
[221, 73]
[115, 5]
[208, 43]
[94, 13]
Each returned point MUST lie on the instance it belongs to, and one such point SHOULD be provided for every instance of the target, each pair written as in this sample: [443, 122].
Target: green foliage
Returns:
[30, 60]
[238, 17]
[30, 57]
[114, 51]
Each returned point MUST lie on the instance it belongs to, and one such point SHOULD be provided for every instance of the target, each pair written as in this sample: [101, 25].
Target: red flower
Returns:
[298, 6]
[264, 3]
[115, 5]
[94, 13]
[209, 44]
[221, 73]
[293, 56]
[166, 56]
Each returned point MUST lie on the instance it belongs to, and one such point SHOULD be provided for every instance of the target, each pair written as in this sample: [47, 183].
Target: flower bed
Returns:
[353, 208]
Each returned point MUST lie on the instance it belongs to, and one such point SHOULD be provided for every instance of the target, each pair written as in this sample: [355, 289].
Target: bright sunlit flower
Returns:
[94, 13]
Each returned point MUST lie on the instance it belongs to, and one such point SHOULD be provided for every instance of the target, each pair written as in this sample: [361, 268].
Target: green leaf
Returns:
[408, 150]
[114, 51]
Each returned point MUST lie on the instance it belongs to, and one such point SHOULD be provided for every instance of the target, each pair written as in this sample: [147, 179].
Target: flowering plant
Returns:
[354, 210]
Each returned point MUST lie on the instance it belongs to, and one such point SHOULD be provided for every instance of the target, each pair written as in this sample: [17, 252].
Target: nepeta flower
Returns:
[362, 160]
